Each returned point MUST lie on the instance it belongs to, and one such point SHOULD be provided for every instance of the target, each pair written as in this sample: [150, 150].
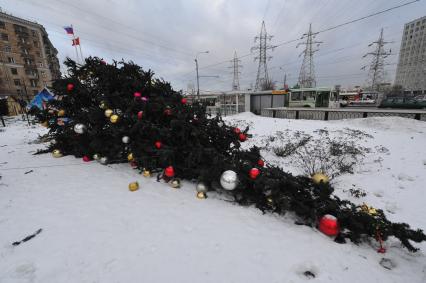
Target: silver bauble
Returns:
[125, 139]
[229, 180]
[79, 128]
[96, 156]
[53, 141]
[201, 187]
[220, 124]
[175, 183]
[103, 160]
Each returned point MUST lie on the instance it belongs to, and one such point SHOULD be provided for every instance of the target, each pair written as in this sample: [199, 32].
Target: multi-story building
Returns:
[411, 70]
[28, 60]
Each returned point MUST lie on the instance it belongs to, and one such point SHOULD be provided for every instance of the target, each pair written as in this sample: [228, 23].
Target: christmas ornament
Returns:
[329, 225]
[237, 130]
[175, 183]
[242, 137]
[158, 144]
[368, 209]
[144, 98]
[125, 139]
[201, 187]
[57, 153]
[79, 128]
[146, 173]
[130, 157]
[261, 163]
[96, 156]
[86, 158]
[184, 100]
[137, 94]
[108, 113]
[168, 112]
[220, 124]
[320, 178]
[134, 186]
[103, 62]
[229, 180]
[254, 172]
[103, 160]
[133, 164]
[102, 105]
[140, 114]
[169, 172]
[381, 249]
[45, 124]
[201, 195]
[114, 118]
[61, 113]
[70, 87]
[53, 141]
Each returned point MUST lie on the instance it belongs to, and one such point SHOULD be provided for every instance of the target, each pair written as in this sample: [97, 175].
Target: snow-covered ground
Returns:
[96, 230]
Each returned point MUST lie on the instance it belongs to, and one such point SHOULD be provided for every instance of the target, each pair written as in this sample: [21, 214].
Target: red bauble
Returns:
[242, 137]
[70, 87]
[158, 144]
[86, 158]
[137, 94]
[329, 225]
[261, 163]
[140, 114]
[168, 112]
[254, 173]
[133, 164]
[169, 172]
[237, 130]
[103, 62]
[184, 100]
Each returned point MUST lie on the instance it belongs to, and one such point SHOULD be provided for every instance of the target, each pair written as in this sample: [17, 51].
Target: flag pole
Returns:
[75, 46]
[81, 53]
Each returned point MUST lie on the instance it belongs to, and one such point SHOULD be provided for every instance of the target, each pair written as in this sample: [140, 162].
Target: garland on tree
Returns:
[118, 112]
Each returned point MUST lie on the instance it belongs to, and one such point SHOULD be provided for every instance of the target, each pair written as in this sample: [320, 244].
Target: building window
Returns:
[22, 40]
[17, 82]
[34, 33]
[4, 37]
[25, 51]
[2, 25]
[14, 71]
[11, 59]
[43, 74]
[40, 64]
[33, 83]
[7, 48]
[18, 91]
[35, 43]
[38, 54]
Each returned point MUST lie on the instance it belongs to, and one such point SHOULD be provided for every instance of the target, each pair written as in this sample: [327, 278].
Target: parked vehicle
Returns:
[403, 102]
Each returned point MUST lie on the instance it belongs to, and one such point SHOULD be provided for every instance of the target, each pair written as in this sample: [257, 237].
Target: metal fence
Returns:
[339, 114]
[225, 110]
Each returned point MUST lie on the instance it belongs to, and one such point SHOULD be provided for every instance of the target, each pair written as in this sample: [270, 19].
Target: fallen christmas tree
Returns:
[119, 113]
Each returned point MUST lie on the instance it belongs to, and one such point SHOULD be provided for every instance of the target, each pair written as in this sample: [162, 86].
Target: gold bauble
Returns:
[61, 113]
[175, 183]
[57, 153]
[134, 186]
[130, 157]
[368, 209]
[146, 173]
[114, 118]
[108, 113]
[320, 178]
[201, 195]
[270, 200]
[45, 124]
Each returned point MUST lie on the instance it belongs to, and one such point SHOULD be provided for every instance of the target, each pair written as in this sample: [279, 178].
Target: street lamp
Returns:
[196, 68]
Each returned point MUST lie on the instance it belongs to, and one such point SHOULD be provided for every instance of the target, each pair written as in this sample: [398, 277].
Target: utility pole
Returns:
[235, 65]
[307, 71]
[262, 79]
[285, 78]
[198, 77]
[376, 68]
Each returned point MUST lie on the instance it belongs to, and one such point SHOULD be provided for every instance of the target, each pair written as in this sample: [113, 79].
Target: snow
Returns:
[96, 230]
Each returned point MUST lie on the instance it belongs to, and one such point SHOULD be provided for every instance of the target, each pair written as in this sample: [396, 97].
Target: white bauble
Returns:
[229, 180]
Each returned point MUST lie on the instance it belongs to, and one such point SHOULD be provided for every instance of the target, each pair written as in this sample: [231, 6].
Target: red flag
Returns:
[76, 41]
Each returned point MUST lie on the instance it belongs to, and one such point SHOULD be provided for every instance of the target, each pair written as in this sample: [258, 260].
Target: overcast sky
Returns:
[166, 35]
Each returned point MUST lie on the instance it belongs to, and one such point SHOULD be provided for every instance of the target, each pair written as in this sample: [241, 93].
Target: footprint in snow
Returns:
[405, 177]
[307, 270]
[378, 193]
[391, 207]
